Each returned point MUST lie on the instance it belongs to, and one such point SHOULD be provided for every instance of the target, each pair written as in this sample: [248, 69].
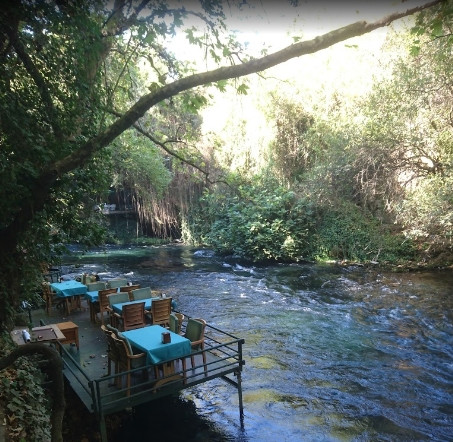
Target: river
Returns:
[332, 353]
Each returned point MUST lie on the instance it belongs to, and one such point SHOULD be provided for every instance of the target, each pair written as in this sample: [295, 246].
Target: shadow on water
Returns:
[331, 353]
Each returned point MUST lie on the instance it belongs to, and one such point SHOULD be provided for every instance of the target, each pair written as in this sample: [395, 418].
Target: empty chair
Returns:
[127, 361]
[142, 293]
[112, 351]
[96, 286]
[195, 334]
[160, 312]
[133, 316]
[104, 302]
[176, 322]
[128, 289]
[117, 282]
[116, 298]
[50, 298]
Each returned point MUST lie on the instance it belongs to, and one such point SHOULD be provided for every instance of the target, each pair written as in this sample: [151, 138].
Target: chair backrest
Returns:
[176, 322]
[118, 298]
[122, 351]
[134, 316]
[111, 347]
[160, 311]
[142, 293]
[117, 282]
[96, 286]
[129, 288]
[195, 332]
[46, 288]
[103, 298]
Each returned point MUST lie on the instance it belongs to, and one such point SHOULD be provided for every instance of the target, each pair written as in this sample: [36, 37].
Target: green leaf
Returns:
[242, 89]
[221, 85]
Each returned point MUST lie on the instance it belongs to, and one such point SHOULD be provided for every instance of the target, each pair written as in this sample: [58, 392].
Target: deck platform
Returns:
[86, 368]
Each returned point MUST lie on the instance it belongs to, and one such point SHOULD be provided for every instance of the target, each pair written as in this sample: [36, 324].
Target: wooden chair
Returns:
[133, 316]
[50, 298]
[127, 361]
[128, 289]
[112, 352]
[160, 312]
[116, 298]
[142, 293]
[104, 302]
[195, 334]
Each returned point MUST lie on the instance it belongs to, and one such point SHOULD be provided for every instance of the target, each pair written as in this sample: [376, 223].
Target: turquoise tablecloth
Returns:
[118, 308]
[69, 288]
[93, 296]
[149, 340]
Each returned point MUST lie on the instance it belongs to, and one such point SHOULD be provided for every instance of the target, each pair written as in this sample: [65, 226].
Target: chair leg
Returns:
[204, 364]
[184, 370]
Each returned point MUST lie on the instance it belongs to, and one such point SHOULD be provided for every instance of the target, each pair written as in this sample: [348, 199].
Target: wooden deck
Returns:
[86, 369]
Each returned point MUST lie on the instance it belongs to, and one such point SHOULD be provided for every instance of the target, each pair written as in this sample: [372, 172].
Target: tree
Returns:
[58, 98]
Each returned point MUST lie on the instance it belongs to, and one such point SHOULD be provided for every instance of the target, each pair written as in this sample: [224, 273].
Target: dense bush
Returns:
[346, 233]
[260, 223]
[266, 222]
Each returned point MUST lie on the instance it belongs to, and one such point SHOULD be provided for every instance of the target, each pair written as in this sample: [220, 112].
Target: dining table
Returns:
[118, 308]
[149, 340]
[70, 291]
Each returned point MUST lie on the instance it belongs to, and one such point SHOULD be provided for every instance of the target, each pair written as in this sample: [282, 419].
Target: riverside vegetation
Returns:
[342, 175]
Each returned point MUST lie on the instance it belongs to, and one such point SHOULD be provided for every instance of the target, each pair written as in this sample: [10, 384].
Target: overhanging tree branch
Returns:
[224, 73]
[78, 157]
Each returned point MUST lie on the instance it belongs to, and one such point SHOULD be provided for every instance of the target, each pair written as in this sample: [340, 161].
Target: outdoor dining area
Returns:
[140, 325]
[123, 345]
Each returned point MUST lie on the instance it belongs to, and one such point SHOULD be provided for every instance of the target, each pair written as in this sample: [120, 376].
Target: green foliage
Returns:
[262, 222]
[26, 404]
[291, 152]
[346, 233]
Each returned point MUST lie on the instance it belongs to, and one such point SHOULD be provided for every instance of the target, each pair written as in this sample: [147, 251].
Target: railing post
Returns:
[239, 380]
[103, 428]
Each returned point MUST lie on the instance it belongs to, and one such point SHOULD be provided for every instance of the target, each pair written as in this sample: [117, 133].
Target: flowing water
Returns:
[332, 353]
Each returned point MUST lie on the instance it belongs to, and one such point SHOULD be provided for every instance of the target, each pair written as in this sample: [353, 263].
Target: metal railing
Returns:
[107, 394]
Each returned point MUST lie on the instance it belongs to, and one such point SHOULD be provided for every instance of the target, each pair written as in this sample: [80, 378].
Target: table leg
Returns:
[67, 302]
[92, 313]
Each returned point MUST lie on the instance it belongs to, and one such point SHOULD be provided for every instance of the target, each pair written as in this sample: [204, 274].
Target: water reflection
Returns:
[331, 353]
